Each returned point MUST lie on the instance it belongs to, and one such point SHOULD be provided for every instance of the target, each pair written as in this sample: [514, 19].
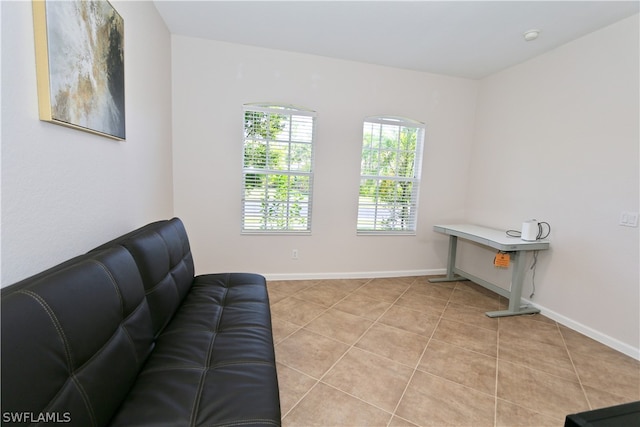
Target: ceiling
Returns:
[470, 39]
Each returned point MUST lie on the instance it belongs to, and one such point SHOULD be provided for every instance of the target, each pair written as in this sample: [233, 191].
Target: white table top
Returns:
[491, 237]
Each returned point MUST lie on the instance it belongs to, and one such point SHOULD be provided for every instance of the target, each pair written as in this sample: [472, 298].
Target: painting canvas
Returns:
[80, 65]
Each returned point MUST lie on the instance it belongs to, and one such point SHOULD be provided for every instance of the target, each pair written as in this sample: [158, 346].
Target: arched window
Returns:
[277, 168]
[390, 175]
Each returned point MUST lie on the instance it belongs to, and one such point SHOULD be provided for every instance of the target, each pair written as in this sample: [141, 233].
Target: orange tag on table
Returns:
[502, 260]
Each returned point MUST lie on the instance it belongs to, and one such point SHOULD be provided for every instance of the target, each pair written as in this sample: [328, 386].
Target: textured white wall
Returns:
[211, 82]
[557, 139]
[65, 191]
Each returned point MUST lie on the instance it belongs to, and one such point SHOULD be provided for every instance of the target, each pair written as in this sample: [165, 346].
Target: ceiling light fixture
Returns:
[531, 35]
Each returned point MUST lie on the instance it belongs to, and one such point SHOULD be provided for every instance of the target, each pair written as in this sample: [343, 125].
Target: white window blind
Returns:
[390, 175]
[278, 168]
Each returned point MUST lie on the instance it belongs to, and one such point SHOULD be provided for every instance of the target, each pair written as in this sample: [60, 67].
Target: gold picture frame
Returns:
[80, 65]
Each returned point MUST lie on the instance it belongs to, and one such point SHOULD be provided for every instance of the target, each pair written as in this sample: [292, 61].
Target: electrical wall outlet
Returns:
[629, 219]
[294, 254]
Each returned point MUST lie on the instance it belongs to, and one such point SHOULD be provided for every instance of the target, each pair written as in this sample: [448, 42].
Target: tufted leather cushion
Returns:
[74, 339]
[161, 250]
[214, 363]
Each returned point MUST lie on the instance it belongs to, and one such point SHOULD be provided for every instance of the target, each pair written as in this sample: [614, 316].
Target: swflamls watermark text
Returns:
[36, 417]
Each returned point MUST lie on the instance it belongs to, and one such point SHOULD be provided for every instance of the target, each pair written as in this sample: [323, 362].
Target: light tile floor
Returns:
[406, 352]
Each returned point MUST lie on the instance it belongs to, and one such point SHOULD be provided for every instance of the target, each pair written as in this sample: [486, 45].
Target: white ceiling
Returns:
[469, 39]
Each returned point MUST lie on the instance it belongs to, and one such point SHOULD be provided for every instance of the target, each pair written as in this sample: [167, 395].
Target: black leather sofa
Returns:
[125, 335]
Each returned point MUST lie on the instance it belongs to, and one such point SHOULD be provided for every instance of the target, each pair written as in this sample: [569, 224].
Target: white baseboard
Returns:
[591, 333]
[355, 275]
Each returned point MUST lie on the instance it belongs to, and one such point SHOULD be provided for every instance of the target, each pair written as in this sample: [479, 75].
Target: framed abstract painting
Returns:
[80, 65]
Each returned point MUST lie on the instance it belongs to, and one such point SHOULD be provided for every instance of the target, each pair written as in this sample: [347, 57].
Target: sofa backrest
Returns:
[161, 250]
[73, 340]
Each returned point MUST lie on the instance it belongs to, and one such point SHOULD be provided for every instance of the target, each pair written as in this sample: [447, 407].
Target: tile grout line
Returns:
[282, 416]
[415, 369]
[373, 323]
[536, 369]
[573, 365]
[325, 309]
[495, 391]
[528, 367]
[449, 302]
[506, 411]
[302, 327]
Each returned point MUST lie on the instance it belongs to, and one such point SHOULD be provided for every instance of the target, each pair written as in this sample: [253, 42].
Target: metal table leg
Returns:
[515, 295]
[451, 263]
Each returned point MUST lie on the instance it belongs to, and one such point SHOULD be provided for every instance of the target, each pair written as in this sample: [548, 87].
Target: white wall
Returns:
[556, 139]
[65, 191]
[212, 81]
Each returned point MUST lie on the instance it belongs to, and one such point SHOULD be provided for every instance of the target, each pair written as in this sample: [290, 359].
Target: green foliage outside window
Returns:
[277, 167]
[388, 176]
[259, 128]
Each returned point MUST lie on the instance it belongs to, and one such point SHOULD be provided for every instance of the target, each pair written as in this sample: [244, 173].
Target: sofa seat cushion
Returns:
[214, 363]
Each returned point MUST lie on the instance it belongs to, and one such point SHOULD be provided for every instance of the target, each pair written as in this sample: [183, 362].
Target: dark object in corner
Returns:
[625, 415]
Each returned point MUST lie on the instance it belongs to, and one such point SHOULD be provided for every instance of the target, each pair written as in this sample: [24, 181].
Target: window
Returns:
[389, 175]
[278, 168]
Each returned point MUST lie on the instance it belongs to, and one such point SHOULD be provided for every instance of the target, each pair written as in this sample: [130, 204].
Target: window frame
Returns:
[266, 221]
[376, 227]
